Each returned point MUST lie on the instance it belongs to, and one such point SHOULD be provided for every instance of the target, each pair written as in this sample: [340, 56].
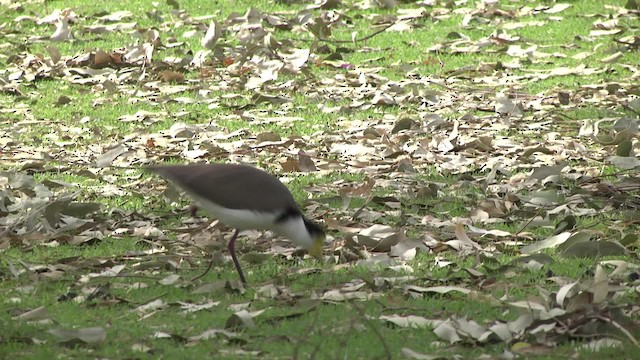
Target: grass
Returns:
[45, 271]
[304, 328]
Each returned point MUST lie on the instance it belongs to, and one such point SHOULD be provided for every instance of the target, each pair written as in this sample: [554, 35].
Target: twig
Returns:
[317, 348]
[619, 327]
[528, 222]
[126, 276]
[206, 271]
[357, 212]
[609, 175]
[355, 40]
[373, 328]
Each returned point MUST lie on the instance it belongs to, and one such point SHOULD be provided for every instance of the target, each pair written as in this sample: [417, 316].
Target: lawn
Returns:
[473, 163]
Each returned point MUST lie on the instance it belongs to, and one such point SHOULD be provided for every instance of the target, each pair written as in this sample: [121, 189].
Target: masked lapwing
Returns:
[245, 198]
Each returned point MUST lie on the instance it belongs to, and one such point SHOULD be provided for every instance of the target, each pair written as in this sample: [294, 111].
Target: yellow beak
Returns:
[316, 248]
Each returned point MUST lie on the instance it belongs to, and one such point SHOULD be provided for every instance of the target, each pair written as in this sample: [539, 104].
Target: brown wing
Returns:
[230, 185]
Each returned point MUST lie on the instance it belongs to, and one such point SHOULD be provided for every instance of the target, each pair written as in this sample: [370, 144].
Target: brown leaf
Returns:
[100, 59]
[305, 162]
[172, 76]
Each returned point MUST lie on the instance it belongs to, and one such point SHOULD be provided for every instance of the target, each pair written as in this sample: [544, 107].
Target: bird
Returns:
[245, 197]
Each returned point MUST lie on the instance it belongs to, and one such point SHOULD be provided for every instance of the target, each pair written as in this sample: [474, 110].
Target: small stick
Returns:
[232, 251]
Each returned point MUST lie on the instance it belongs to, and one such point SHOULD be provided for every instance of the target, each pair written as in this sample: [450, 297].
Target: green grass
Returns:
[295, 327]
[69, 138]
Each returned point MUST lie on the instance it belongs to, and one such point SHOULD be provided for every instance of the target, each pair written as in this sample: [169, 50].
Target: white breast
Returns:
[292, 228]
[236, 218]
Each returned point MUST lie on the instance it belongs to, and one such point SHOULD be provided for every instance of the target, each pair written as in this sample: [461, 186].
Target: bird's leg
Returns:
[232, 243]
[232, 251]
[193, 210]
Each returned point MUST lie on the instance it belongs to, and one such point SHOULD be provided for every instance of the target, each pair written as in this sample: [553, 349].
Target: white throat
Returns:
[293, 228]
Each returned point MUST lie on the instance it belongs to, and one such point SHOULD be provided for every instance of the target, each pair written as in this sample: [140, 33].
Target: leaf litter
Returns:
[510, 157]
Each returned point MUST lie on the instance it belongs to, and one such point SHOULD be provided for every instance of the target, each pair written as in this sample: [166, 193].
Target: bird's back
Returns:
[230, 185]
